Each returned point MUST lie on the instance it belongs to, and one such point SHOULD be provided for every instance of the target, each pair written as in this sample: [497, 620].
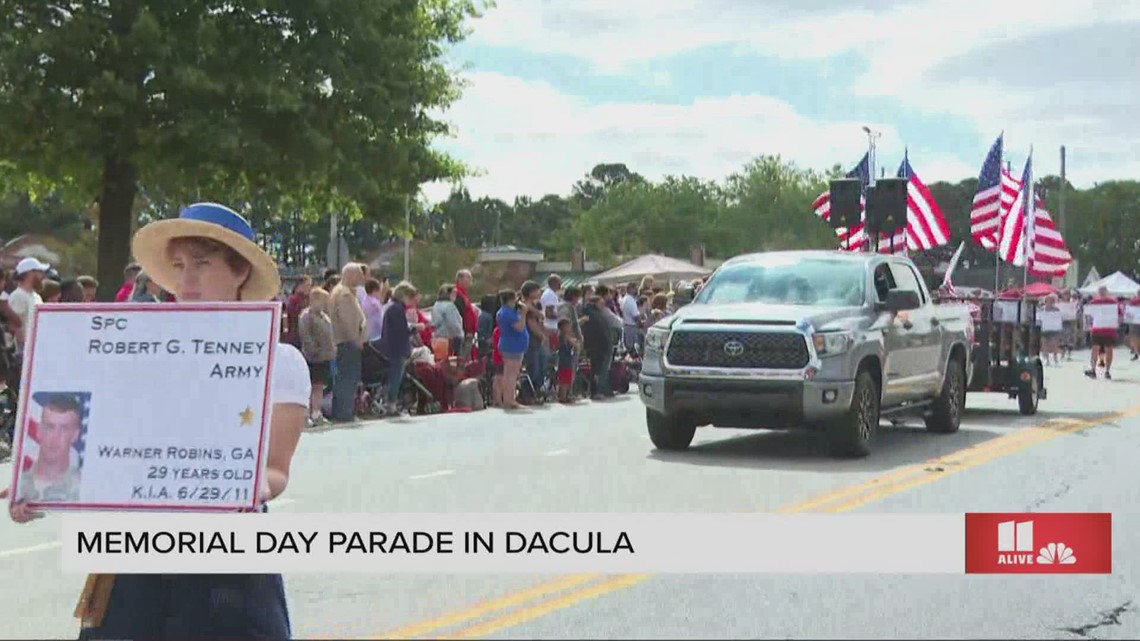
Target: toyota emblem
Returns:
[734, 348]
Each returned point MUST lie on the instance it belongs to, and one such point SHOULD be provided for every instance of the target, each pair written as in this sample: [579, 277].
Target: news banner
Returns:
[740, 543]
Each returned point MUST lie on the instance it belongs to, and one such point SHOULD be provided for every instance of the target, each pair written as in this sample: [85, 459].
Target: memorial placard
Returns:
[1102, 316]
[1049, 319]
[161, 407]
[1006, 311]
[1068, 310]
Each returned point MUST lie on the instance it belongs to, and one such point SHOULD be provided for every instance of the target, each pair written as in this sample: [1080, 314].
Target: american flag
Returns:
[31, 447]
[926, 227]
[985, 214]
[1045, 251]
[855, 239]
[822, 205]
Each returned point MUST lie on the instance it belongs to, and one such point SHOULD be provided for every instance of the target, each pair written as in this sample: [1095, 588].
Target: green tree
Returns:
[1103, 226]
[769, 208]
[636, 217]
[603, 177]
[302, 104]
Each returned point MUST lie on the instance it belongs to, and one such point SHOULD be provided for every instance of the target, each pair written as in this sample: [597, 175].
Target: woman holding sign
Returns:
[207, 254]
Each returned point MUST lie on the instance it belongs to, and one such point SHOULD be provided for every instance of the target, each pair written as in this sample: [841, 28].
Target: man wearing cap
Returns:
[24, 299]
[129, 275]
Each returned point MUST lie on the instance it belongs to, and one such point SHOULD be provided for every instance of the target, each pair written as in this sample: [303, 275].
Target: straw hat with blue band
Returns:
[218, 223]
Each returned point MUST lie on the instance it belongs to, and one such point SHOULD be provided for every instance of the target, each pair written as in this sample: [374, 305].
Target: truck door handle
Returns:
[908, 325]
[935, 322]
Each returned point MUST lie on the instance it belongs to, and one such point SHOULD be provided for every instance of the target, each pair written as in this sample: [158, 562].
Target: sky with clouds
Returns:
[699, 87]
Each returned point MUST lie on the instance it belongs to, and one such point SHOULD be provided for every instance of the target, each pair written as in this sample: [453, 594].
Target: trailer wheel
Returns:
[1028, 396]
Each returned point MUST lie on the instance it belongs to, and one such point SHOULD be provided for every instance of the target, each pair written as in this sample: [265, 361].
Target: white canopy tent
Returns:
[1117, 284]
[661, 268]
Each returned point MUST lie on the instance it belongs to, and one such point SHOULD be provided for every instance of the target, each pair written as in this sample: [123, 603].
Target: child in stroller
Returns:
[415, 397]
[621, 375]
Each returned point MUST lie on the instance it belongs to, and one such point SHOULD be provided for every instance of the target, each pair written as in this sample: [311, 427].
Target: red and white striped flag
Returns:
[1049, 255]
[985, 213]
[853, 239]
[926, 227]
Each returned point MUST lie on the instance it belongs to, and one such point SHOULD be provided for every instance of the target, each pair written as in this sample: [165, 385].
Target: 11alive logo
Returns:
[1029, 543]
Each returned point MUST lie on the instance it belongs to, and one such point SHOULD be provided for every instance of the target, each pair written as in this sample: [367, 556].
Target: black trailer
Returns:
[1007, 350]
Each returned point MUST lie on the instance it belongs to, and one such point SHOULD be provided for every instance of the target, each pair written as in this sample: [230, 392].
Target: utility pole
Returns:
[407, 238]
[871, 241]
[1061, 197]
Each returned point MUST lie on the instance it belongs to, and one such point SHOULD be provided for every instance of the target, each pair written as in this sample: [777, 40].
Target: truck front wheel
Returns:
[851, 435]
[669, 433]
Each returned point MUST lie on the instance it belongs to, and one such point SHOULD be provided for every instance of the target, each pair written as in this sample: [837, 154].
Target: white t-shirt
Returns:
[551, 299]
[291, 384]
[24, 304]
[629, 310]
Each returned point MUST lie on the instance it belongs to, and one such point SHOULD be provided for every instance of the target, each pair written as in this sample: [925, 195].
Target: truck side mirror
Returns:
[901, 300]
[683, 295]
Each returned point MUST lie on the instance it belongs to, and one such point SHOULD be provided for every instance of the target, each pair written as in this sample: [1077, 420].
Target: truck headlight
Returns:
[831, 343]
[655, 339]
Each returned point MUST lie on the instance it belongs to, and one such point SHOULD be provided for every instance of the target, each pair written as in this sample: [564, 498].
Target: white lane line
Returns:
[556, 452]
[31, 548]
[432, 474]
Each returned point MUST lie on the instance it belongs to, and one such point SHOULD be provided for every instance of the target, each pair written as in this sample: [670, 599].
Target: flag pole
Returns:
[1027, 229]
[870, 243]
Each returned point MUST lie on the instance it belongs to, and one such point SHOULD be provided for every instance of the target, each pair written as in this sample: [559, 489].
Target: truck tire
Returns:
[1029, 396]
[851, 435]
[669, 433]
[946, 414]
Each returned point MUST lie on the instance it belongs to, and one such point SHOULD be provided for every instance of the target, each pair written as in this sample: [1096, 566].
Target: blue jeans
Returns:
[535, 362]
[348, 357]
[396, 369]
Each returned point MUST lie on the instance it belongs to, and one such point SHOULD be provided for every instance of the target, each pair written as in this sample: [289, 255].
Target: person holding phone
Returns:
[513, 342]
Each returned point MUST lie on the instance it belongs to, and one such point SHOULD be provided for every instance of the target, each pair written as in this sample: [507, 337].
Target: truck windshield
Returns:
[787, 281]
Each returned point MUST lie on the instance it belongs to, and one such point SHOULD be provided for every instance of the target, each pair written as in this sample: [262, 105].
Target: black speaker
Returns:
[887, 205]
[844, 197]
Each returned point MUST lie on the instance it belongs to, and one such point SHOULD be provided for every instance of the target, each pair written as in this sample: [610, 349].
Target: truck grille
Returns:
[761, 350]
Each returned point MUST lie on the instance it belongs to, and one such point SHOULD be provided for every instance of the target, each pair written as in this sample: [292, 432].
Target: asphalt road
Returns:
[597, 457]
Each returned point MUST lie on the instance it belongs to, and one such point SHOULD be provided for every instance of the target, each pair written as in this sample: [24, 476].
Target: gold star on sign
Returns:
[247, 416]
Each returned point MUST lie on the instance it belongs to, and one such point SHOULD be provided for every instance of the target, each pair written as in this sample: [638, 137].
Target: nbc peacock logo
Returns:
[1056, 553]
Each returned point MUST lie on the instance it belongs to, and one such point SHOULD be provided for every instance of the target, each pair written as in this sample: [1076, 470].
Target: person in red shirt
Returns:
[1103, 339]
[296, 304]
[463, 283]
[128, 288]
[496, 362]
[1134, 328]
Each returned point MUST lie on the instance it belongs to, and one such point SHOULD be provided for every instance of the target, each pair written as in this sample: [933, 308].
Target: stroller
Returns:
[10, 374]
[620, 375]
[415, 397]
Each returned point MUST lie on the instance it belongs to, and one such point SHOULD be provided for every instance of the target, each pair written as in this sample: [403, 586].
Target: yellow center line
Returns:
[560, 584]
[843, 500]
[546, 607]
[908, 472]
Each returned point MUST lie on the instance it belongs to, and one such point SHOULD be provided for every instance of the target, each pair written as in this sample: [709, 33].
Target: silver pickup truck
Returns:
[820, 339]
